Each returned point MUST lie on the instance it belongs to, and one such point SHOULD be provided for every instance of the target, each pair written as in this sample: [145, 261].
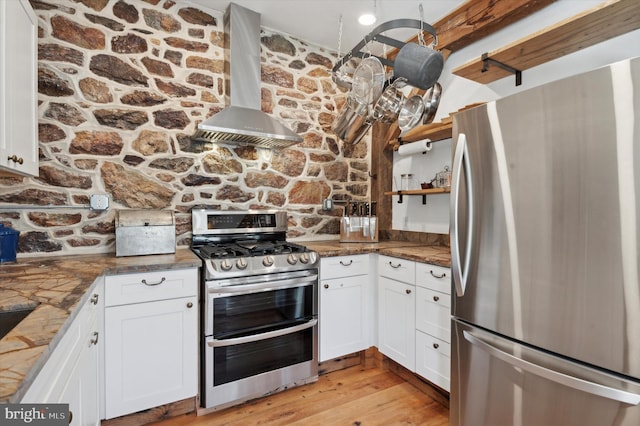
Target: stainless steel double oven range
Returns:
[259, 301]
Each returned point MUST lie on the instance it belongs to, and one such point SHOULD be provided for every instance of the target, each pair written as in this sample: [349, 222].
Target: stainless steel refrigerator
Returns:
[545, 206]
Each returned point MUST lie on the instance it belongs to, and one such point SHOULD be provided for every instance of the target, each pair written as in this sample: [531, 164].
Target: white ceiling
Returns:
[318, 21]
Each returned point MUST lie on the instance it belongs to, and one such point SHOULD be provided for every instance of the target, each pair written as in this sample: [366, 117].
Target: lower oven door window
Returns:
[238, 361]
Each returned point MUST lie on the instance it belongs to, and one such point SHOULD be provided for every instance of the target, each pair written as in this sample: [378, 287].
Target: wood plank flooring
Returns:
[352, 396]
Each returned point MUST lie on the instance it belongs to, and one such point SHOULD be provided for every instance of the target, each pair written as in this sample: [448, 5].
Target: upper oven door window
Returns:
[262, 311]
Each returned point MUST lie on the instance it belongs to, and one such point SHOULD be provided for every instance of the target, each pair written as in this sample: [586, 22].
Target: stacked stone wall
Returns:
[122, 84]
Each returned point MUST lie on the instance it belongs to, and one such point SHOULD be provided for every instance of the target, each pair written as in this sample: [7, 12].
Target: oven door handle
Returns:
[269, 285]
[216, 343]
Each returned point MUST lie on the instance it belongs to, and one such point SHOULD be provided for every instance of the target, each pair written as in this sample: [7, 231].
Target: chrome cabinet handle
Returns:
[152, 284]
[94, 299]
[15, 159]
[326, 286]
[346, 264]
[94, 340]
[408, 291]
[395, 266]
[190, 305]
[436, 298]
[555, 376]
[444, 274]
[436, 346]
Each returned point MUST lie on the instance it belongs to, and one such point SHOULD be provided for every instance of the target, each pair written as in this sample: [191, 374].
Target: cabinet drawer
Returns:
[433, 313]
[150, 286]
[433, 277]
[344, 266]
[397, 269]
[433, 359]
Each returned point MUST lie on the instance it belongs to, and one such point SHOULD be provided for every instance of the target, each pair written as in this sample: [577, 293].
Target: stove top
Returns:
[240, 243]
[248, 248]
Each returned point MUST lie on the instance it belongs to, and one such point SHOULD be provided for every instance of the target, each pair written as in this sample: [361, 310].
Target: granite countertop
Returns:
[56, 286]
[419, 252]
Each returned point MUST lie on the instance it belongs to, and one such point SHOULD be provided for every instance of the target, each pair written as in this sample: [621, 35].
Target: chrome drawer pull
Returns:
[346, 264]
[436, 346]
[94, 341]
[151, 284]
[94, 299]
[407, 291]
[436, 298]
[438, 276]
[395, 266]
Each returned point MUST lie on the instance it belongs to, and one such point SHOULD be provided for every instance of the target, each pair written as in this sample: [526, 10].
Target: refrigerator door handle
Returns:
[555, 376]
[460, 160]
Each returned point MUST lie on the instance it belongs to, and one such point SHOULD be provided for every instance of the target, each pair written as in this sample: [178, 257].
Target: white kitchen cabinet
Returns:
[151, 340]
[433, 323]
[18, 88]
[71, 375]
[396, 310]
[345, 305]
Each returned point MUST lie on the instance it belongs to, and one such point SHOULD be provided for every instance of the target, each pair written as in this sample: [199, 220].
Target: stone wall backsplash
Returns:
[123, 84]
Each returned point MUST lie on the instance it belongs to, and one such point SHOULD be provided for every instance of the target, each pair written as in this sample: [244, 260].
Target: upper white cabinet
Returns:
[71, 375]
[345, 305]
[396, 310]
[18, 88]
[151, 340]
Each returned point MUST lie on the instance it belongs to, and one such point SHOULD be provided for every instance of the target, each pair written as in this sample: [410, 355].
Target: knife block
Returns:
[359, 229]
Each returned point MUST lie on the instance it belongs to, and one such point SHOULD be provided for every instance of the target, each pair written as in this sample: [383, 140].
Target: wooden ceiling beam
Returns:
[476, 19]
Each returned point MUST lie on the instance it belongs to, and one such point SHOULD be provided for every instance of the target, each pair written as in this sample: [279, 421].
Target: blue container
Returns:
[8, 244]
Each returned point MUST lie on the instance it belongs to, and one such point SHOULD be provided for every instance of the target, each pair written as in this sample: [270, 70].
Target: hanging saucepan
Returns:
[350, 110]
[431, 102]
[420, 65]
[389, 103]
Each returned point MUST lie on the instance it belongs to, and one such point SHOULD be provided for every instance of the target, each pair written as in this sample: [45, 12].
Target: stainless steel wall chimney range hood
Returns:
[242, 121]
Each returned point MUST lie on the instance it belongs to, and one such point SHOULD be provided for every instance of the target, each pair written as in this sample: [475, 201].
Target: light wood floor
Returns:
[353, 396]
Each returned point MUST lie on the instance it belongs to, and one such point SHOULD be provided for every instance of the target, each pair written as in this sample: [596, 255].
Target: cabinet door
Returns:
[342, 316]
[151, 354]
[433, 359]
[396, 326]
[81, 390]
[71, 375]
[18, 88]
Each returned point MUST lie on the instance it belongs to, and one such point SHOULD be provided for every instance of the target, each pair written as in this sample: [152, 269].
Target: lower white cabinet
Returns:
[71, 375]
[397, 310]
[151, 340]
[345, 305]
[433, 323]
[396, 322]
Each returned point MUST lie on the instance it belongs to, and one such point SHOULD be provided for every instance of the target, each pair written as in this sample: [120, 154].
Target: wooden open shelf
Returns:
[433, 131]
[422, 192]
[590, 27]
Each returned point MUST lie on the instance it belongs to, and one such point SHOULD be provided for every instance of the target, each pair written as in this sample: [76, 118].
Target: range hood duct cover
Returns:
[242, 122]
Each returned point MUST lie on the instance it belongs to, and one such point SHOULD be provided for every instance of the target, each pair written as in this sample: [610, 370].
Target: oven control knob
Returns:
[241, 263]
[304, 258]
[267, 261]
[292, 259]
[225, 265]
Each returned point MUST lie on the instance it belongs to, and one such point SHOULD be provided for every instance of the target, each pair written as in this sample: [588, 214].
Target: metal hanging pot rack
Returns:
[376, 35]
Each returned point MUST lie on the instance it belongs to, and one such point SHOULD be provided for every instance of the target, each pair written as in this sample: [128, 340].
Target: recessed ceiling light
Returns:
[367, 19]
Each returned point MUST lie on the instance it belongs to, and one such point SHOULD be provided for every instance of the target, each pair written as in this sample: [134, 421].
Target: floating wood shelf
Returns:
[433, 131]
[590, 27]
[422, 192]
